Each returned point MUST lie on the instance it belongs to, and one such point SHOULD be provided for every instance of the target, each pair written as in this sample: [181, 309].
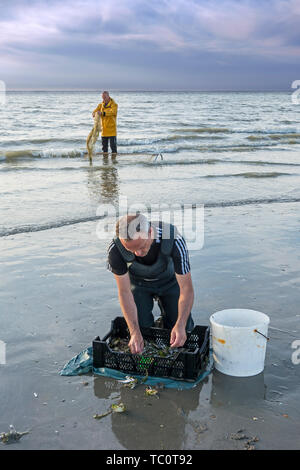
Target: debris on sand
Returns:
[11, 436]
[151, 392]
[129, 382]
[115, 408]
[120, 408]
[198, 428]
[239, 435]
[249, 444]
[143, 380]
[97, 416]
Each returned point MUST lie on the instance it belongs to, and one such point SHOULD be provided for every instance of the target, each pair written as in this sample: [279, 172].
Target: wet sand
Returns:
[56, 296]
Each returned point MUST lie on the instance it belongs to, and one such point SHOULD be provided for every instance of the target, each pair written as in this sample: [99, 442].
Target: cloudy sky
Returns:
[150, 44]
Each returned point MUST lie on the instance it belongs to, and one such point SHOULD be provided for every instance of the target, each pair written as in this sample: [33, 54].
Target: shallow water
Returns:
[218, 149]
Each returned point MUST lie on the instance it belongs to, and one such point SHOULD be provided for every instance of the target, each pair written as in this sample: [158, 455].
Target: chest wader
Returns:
[156, 280]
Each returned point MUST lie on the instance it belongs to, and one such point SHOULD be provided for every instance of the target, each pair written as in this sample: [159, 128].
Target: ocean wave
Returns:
[175, 137]
[150, 151]
[162, 140]
[212, 161]
[245, 202]
[148, 161]
[262, 162]
[273, 132]
[287, 135]
[251, 174]
[219, 176]
[152, 144]
[285, 121]
[9, 231]
[47, 226]
[255, 138]
[245, 120]
[208, 130]
[203, 148]
[284, 138]
[122, 142]
[28, 154]
[49, 140]
[177, 143]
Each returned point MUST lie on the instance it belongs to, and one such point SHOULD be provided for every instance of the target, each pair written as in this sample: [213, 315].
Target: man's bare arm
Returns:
[129, 311]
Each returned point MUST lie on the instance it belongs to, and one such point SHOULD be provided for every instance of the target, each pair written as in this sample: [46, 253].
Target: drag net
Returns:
[93, 136]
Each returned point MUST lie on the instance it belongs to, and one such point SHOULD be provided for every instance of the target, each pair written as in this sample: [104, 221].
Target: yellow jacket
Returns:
[109, 119]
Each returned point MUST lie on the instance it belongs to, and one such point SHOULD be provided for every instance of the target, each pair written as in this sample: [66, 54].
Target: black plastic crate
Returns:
[184, 366]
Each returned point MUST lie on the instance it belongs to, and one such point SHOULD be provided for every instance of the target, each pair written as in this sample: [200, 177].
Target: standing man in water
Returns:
[108, 110]
[151, 260]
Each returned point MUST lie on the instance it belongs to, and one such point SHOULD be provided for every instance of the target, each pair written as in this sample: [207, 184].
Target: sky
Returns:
[150, 44]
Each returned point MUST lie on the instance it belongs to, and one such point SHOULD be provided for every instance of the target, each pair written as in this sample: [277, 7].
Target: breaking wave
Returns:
[9, 231]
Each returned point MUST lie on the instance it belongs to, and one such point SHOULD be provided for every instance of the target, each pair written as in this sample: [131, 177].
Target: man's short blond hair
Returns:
[130, 225]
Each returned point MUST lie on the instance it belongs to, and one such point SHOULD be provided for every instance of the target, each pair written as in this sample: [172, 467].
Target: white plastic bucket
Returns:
[239, 339]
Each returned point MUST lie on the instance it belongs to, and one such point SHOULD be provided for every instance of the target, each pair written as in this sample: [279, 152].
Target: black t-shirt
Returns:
[180, 256]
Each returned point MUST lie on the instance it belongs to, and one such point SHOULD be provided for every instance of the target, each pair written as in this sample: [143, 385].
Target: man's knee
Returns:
[169, 302]
[170, 320]
[144, 304]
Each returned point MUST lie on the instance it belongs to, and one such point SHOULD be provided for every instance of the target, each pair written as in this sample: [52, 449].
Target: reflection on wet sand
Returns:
[235, 391]
[149, 423]
[103, 181]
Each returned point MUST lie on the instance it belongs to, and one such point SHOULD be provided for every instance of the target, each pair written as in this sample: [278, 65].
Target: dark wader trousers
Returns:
[168, 295]
[113, 144]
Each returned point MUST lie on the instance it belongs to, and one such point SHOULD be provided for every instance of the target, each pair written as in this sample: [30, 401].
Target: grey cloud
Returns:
[159, 43]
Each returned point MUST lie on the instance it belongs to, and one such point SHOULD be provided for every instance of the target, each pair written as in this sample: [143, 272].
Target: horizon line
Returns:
[89, 90]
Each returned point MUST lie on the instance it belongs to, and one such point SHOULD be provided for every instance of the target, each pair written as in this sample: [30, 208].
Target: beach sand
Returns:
[57, 295]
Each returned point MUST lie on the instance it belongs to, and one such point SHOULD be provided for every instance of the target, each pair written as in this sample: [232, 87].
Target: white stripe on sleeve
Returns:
[184, 255]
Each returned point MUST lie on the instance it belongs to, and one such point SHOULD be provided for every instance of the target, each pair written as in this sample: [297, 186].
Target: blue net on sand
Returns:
[83, 364]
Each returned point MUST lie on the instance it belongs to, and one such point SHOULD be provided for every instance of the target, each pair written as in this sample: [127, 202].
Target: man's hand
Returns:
[136, 343]
[178, 336]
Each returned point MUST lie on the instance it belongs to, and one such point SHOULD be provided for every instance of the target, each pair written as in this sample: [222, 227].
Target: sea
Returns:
[174, 148]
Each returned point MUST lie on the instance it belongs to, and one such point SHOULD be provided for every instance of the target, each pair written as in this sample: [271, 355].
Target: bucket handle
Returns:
[256, 331]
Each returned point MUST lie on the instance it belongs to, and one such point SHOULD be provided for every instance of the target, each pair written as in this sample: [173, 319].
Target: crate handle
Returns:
[107, 335]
